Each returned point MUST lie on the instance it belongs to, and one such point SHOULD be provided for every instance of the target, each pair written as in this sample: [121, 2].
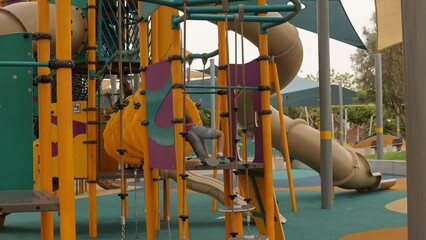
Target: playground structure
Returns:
[136, 132]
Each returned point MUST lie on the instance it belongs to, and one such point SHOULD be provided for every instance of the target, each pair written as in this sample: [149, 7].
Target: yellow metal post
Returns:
[266, 133]
[244, 145]
[164, 52]
[284, 136]
[161, 43]
[149, 206]
[178, 128]
[44, 90]
[224, 120]
[154, 36]
[233, 221]
[92, 116]
[244, 151]
[164, 32]
[65, 129]
[166, 199]
[217, 126]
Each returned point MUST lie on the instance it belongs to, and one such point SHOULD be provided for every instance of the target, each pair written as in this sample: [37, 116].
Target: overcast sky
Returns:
[359, 11]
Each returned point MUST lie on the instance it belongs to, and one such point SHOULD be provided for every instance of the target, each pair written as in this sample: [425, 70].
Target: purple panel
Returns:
[162, 157]
[78, 128]
[157, 75]
[54, 149]
[165, 113]
[252, 79]
[252, 74]
[54, 120]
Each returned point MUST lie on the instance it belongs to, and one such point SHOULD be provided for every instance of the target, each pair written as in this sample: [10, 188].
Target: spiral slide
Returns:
[203, 184]
[350, 170]
[209, 186]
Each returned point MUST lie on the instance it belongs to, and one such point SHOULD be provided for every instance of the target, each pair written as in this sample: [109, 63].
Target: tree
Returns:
[392, 73]
[205, 115]
[346, 79]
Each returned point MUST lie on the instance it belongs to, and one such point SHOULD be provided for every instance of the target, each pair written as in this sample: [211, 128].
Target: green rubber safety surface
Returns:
[352, 212]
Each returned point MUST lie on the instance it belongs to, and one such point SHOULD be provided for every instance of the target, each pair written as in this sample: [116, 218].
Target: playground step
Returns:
[117, 174]
[231, 165]
[12, 201]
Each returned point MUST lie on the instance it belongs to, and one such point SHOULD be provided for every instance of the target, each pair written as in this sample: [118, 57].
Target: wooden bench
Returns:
[374, 145]
[397, 143]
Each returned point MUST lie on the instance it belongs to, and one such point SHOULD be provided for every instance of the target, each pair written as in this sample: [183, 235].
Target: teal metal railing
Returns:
[199, 10]
[108, 28]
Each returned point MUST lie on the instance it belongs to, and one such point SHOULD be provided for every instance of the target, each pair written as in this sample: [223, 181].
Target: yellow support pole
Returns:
[147, 171]
[244, 151]
[178, 128]
[80, 186]
[92, 116]
[266, 134]
[244, 145]
[217, 126]
[44, 90]
[154, 36]
[65, 129]
[233, 221]
[164, 33]
[223, 107]
[161, 43]
[284, 136]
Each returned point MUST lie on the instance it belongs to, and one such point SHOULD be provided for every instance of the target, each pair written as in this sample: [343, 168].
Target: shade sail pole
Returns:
[326, 167]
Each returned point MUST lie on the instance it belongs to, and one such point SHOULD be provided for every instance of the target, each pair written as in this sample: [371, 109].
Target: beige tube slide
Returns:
[350, 170]
[203, 184]
[22, 17]
[206, 185]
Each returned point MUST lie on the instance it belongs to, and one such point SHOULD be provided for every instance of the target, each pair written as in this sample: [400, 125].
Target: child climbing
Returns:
[196, 136]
